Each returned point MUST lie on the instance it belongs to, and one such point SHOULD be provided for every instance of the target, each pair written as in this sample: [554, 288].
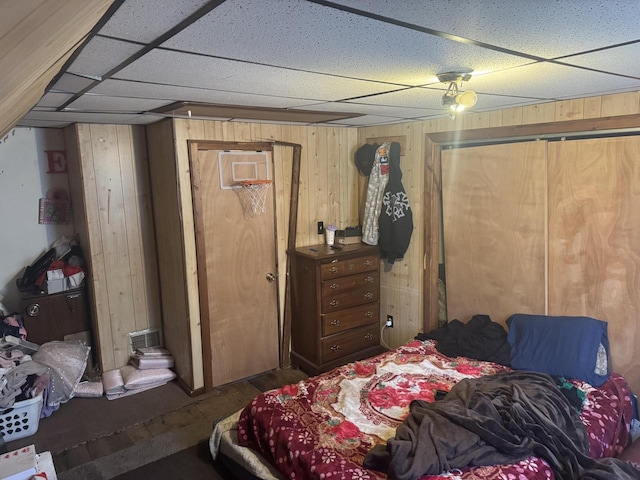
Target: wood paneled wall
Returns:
[109, 180]
[328, 193]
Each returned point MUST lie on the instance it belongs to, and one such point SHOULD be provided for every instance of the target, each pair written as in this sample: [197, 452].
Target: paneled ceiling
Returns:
[374, 61]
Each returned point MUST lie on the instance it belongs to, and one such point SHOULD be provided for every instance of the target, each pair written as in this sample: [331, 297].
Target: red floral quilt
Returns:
[324, 426]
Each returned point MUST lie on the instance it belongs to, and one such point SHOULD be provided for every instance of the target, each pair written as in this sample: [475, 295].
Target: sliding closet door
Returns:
[594, 238]
[494, 229]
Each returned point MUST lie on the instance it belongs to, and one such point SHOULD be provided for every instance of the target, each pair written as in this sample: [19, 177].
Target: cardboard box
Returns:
[348, 240]
[19, 464]
[349, 236]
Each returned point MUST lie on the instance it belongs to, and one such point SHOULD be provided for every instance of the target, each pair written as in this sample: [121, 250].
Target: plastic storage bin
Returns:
[21, 420]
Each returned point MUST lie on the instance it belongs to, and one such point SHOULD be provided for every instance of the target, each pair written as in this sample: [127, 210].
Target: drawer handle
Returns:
[73, 295]
[369, 314]
[334, 303]
[351, 266]
[369, 336]
[335, 323]
[334, 286]
[335, 348]
[333, 270]
[368, 280]
[368, 295]
[368, 263]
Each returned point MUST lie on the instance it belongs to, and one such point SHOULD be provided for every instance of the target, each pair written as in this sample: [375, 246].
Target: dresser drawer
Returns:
[350, 284]
[349, 267]
[350, 318]
[359, 296]
[349, 342]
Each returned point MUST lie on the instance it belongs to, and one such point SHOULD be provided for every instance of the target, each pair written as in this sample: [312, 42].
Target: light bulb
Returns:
[466, 99]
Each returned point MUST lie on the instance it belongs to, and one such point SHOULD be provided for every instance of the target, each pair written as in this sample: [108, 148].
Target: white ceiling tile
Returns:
[82, 117]
[198, 71]
[123, 88]
[71, 83]
[547, 81]
[429, 98]
[616, 60]
[146, 20]
[146, 119]
[302, 35]
[298, 54]
[101, 55]
[42, 123]
[53, 99]
[546, 28]
[102, 103]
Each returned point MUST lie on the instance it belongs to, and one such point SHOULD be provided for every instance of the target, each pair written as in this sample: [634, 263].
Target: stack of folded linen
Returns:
[129, 380]
[151, 357]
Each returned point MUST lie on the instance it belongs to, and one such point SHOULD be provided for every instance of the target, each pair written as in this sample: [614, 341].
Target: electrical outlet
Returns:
[389, 321]
[320, 228]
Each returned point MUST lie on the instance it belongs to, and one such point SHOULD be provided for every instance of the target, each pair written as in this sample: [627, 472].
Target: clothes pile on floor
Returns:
[148, 368]
[28, 370]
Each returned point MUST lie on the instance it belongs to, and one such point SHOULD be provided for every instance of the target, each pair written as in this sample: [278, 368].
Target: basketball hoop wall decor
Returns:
[253, 196]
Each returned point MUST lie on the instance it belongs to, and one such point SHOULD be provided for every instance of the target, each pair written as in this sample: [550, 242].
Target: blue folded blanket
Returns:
[571, 347]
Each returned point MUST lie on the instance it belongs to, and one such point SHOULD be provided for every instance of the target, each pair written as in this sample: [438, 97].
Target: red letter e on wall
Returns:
[57, 161]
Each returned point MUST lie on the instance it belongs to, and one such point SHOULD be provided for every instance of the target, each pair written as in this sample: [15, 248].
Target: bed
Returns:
[328, 426]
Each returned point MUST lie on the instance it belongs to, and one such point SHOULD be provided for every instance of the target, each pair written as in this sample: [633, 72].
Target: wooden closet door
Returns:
[236, 270]
[494, 229]
[594, 239]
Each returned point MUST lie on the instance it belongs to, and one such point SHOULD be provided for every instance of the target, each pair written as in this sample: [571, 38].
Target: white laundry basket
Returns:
[21, 420]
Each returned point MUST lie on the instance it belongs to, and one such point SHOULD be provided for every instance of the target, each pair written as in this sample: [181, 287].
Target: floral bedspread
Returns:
[324, 426]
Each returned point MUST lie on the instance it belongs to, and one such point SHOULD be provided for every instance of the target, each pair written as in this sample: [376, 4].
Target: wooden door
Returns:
[594, 239]
[236, 264]
[494, 200]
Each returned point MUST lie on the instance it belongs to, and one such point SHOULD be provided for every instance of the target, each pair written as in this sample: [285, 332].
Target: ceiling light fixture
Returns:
[455, 99]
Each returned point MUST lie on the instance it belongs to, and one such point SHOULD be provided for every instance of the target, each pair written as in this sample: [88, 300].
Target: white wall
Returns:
[23, 181]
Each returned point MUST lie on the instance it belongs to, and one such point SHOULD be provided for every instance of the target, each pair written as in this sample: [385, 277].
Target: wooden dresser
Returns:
[335, 305]
[54, 317]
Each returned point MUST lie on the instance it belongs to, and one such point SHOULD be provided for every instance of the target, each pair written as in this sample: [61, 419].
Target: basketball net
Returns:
[253, 196]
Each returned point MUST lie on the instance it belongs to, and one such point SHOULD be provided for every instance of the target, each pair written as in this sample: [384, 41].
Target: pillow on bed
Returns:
[571, 347]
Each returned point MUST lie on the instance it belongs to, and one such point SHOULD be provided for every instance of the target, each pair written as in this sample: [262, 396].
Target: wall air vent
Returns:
[144, 338]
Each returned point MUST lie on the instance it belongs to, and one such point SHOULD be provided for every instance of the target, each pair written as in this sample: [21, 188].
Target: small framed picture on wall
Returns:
[54, 211]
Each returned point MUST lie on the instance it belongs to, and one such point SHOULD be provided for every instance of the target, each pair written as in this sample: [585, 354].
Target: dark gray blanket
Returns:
[495, 420]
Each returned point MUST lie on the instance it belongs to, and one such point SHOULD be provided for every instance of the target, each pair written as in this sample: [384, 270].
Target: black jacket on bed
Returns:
[496, 419]
[479, 338]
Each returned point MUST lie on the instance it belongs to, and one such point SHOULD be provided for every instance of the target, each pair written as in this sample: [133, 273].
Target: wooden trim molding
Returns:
[574, 127]
[221, 145]
[285, 348]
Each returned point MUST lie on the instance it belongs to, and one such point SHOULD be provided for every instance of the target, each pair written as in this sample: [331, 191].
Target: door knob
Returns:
[270, 277]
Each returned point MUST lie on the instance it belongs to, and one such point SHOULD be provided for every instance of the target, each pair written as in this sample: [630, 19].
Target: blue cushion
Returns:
[561, 346]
